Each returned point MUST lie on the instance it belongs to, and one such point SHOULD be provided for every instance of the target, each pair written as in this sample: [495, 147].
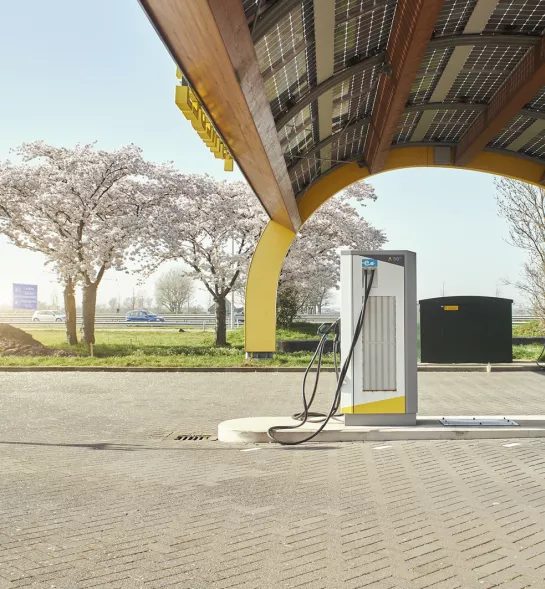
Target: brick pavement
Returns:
[95, 491]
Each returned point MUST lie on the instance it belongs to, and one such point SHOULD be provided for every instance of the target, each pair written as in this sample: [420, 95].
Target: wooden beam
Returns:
[519, 88]
[211, 43]
[412, 28]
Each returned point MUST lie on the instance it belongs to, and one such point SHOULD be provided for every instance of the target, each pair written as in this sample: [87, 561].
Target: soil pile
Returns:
[16, 342]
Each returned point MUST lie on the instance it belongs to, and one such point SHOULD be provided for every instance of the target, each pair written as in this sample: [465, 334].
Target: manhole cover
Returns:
[477, 422]
[194, 437]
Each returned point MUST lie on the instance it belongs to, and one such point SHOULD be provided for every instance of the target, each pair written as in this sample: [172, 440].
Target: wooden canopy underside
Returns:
[298, 88]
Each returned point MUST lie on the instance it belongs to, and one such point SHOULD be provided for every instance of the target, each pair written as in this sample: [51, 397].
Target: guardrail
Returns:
[112, 321]
[202, 320]
[327, 317]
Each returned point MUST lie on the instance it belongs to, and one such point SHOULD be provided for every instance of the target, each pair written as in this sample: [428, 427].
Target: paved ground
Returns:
[96, 492]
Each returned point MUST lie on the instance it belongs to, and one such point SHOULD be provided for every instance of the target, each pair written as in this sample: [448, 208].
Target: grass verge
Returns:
[192, 348]
[163, 348]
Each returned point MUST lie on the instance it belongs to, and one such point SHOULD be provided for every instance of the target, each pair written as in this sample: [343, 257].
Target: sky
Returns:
[95, 70]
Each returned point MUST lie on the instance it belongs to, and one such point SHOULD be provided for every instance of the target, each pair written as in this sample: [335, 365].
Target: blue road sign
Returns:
[25, 296]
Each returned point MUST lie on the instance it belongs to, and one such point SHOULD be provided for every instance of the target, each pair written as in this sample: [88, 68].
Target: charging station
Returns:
[380, 387]
[376, 391]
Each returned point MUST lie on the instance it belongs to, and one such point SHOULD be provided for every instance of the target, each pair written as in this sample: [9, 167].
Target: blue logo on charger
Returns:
[369, 263]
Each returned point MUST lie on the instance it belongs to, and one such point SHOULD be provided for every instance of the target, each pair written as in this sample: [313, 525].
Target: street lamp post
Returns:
[232, 291]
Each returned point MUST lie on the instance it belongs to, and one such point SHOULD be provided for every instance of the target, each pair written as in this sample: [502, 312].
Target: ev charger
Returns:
[380, 387]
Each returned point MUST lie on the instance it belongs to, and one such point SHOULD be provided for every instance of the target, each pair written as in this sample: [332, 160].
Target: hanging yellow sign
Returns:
[189, 104]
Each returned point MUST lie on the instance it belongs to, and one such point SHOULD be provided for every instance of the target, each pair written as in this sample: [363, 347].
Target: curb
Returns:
[253, 430]
[521, 367]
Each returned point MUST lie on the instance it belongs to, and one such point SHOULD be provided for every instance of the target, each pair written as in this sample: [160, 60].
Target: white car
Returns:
[49, 316]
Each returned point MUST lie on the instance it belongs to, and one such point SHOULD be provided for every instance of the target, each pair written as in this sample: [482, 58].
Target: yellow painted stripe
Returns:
[395, 405]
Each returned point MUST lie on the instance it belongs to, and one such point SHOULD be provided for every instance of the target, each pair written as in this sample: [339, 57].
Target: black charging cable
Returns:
[324, 418]
[542, 366]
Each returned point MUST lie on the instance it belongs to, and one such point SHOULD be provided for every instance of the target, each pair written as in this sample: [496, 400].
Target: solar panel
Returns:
[508, 134]
[349, 144]
[449, 125]
[364, 34]
[353, 98]
[484, 72]
[538, 103]
[518, 16]
[299, 133]
[406, 127]
[428, 75]
[454, 16]
[535, 147]
[286, 55]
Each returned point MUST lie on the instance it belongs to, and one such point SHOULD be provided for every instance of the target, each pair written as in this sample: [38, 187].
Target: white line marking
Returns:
[250, 449]
[511, 445]
[381, 447]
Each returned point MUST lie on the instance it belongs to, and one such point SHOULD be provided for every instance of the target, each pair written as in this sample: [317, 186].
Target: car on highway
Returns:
[143, 316]
[49, 316]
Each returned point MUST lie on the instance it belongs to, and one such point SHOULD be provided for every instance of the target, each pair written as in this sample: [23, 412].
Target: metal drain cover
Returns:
[477, 421]
[194, 437]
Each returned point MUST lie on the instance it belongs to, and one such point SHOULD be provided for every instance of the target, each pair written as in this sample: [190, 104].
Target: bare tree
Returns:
[173, 290]
[523, 206]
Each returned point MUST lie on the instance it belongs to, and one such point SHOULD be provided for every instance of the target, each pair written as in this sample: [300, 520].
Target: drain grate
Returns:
[194, 437]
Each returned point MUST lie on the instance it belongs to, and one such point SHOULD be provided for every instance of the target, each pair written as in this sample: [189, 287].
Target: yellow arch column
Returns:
[260, 305]
[260, 318]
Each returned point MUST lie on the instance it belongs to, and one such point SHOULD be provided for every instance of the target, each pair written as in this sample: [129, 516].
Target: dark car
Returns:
[143, 316]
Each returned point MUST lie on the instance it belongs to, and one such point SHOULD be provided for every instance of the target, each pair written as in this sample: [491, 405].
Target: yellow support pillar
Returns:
[260, 305]
[260, 320]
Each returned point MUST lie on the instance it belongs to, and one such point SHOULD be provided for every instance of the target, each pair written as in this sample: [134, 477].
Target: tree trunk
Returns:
[70, 310]
[89, 312]
[221, 318]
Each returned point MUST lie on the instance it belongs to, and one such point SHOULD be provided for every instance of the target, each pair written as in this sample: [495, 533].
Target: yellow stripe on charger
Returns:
[395, 405]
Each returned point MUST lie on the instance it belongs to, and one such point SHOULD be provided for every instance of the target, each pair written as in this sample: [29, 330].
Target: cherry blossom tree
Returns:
[213, 226]
[83, 208]
[312, 268]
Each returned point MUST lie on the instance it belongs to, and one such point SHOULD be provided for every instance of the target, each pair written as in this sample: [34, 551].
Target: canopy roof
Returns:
[298, 88]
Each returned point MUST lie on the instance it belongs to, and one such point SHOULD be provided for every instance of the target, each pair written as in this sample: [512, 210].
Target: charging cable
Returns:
[541, 365]
[306, 415]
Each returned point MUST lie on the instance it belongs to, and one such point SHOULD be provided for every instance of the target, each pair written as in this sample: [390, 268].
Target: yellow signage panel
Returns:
[189, 104]
[450, 308]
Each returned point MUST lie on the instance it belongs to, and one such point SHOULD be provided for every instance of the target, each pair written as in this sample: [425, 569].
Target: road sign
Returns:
[25, 296]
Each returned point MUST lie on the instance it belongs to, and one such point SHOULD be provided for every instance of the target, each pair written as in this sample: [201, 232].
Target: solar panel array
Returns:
[286, 56]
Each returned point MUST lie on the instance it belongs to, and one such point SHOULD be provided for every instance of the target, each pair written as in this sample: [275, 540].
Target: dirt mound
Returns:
[16, 342]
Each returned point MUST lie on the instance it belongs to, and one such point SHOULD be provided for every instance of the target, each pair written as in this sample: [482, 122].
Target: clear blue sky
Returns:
[85, 70]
